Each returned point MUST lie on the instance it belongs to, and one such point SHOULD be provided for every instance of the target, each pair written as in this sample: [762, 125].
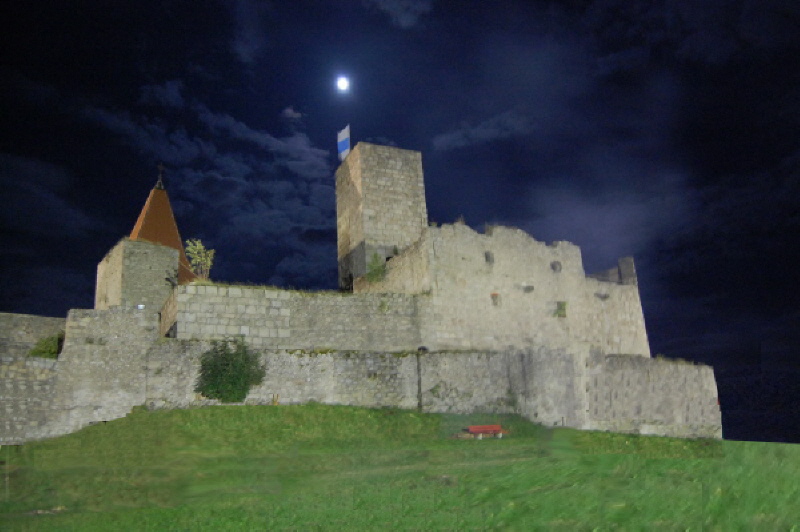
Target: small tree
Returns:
[228, 371]
[200, 258]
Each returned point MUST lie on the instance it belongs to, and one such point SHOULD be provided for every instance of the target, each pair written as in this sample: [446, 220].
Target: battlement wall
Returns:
[20, 332]
[282, 319]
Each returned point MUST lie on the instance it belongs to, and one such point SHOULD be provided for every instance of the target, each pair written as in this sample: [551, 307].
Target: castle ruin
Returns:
[441, 319]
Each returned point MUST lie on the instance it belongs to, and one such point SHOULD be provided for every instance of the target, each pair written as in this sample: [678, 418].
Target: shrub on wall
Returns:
[228, 370]
[376, 269]
[49, 347]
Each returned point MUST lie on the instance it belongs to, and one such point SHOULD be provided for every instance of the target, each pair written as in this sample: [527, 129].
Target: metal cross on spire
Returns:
[160, 182]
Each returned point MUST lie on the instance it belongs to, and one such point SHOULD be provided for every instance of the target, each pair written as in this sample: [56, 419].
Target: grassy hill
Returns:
[316, 467]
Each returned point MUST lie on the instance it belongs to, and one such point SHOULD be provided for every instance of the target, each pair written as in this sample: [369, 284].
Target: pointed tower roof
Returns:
[156, 224]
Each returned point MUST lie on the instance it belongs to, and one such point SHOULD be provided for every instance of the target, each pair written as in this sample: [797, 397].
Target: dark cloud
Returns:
[609, 225]
[150, 138]
[250, 38]
[694, 30]
[403, 13]
[295, 152]
[35, 201]
[167, 94]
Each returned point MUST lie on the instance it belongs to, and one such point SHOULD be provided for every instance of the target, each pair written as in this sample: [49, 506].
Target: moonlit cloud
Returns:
[616, 223]
[290, 114]
[403, 13]
[505, 125]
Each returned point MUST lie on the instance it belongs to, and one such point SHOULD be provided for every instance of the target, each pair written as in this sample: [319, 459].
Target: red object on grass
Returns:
[486, 429]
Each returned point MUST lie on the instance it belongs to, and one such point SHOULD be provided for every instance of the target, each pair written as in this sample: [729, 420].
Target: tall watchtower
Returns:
[380, 206]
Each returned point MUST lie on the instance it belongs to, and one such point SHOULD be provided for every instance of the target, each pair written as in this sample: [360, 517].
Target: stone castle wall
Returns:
[505, 289]
[407, 273]
[101, 368]
[282, 319]
[649, 396]
[20, 332]
[103, 375]
[26, 396]
[108, 288]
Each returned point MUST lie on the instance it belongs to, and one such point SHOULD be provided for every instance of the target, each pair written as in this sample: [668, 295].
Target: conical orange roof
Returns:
[156, 224]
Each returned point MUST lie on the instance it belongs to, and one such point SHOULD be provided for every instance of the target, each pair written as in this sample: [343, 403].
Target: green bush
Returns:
[228, 370]
[49, 347]
[376, 269]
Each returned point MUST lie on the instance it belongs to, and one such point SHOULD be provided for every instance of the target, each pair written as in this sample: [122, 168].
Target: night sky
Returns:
[667, 130]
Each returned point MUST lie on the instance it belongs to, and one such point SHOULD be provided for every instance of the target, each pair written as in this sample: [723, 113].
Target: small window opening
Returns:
[495, 299]
[555, 266]
[489, 257]
[561, 309]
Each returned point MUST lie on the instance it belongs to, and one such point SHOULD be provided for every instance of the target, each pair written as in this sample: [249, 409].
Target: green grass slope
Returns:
[316, 467]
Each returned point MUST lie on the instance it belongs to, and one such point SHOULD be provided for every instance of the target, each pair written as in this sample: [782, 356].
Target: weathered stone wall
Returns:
[103, 378]
[380, 204]
[20, 332]
[505, 288]
[407, 273]
[26, 396]
[437, 382]
[610, 316]
[652, 396]
[464, 382]
[101, 368]
[169, 316]
[490, 291]
[282, 319]
[108, 289]
[293, 377]
[135, 273]
[349, 220]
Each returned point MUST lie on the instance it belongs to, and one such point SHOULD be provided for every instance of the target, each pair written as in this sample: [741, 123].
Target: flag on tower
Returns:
[343, 141]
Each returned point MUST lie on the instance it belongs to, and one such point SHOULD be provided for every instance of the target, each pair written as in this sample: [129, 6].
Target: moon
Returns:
[343, 84]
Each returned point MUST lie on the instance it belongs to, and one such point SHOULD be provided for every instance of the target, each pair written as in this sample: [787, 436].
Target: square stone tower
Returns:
[380, 206]
[135, 273]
